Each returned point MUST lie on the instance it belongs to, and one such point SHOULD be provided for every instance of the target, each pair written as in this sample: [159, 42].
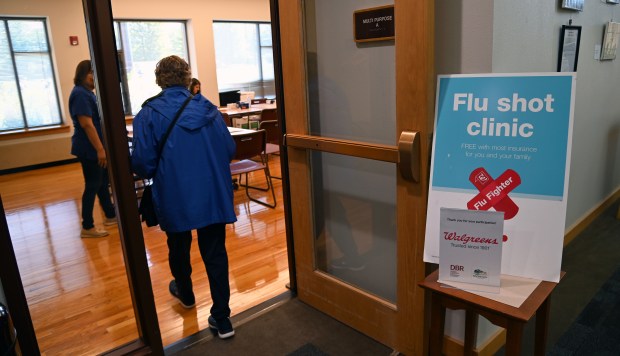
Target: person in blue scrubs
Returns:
[191, 183]
[87, 145]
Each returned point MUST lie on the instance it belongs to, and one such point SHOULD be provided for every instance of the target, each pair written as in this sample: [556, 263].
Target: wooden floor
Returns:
[77, 289]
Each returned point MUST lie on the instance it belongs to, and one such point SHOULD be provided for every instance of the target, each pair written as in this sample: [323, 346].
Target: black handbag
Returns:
[146, 207]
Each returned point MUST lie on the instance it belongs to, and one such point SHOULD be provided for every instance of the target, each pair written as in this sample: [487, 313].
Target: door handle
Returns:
[409, 155]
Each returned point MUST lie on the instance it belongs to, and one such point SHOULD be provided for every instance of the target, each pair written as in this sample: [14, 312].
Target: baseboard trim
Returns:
[578, 227]
[493, 344]
[454, 347]
[37, 166]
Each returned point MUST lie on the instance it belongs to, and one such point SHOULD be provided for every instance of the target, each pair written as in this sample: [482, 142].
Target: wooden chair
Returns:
[268, 115]
[256, 117]
[252, 145]
[227, 119]
[274, 135]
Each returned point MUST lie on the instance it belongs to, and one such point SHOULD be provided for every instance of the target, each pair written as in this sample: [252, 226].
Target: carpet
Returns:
[308, 350]
[596, 331]
[291, 328]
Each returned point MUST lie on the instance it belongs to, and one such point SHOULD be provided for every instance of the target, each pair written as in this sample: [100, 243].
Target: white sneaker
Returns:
[93, 232]
[109, 221]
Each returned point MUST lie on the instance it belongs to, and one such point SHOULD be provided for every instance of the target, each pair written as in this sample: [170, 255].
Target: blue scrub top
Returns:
[83, 102]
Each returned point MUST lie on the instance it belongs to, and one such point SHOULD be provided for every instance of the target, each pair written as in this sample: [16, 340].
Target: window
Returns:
[27, 84]
[140, 45]
[244, 57]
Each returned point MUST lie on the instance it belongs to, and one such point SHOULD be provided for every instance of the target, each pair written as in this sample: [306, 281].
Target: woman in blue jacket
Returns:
[191, 183]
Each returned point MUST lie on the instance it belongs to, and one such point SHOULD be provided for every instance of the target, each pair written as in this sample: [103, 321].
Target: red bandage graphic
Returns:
[494, 193]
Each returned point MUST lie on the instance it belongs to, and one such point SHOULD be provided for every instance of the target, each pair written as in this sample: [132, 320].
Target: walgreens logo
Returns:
[464, 238]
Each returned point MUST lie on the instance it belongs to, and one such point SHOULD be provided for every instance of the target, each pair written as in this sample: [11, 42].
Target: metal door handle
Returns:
[409, 155]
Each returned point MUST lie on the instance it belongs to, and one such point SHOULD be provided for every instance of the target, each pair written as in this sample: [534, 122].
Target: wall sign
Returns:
[576, 5]
[502, 142]
[610, 40]
[374, 24]
[570, 36]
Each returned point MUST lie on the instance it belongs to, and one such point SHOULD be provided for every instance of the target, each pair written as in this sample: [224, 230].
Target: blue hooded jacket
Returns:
[192, 183]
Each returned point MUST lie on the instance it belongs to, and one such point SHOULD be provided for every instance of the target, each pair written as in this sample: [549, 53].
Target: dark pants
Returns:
[211, 242]
[95, 184]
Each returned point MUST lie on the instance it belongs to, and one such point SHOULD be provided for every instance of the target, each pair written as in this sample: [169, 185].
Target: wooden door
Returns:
[358, 121]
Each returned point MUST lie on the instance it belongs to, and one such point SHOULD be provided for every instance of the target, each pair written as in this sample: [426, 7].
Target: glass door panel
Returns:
[348, 108]
[355, 221]
[74, 286]
[351, 86]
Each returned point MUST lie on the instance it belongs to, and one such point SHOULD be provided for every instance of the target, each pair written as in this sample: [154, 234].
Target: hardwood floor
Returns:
[77, 288]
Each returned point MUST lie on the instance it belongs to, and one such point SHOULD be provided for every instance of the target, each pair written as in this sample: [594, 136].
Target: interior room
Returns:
[45, 229]
[80, 297]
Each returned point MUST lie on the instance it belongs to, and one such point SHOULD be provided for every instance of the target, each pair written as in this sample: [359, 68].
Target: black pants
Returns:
[211, 242]
[95, 184]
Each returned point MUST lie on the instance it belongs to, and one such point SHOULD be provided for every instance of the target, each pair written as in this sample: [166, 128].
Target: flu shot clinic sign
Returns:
[502, 143]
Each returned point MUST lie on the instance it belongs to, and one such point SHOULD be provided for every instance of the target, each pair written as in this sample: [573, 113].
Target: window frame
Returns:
[4, 21]
[262, 82]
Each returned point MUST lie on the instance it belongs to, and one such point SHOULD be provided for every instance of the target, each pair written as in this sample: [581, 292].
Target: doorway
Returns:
[358, 115]
[391, 313]
[65, 271]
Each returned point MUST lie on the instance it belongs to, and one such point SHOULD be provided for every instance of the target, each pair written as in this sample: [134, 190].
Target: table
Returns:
[234, 131]
[503, 315]
[255, 109]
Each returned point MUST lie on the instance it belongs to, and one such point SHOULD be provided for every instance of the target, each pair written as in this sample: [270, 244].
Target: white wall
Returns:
[66, 18]
[200, 14]
[525, 38]
[464, 36]
[485, 36]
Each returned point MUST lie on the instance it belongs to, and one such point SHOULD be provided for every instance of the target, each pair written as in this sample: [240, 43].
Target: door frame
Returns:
[11, 285]
[415, 109]
[100, 31]
[286, 193]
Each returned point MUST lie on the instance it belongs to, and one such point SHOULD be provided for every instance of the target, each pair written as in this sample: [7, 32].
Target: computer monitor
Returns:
[229, 97]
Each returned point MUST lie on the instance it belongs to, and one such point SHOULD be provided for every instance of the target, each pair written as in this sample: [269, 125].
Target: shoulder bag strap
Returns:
[174, 121]
[160, 148]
